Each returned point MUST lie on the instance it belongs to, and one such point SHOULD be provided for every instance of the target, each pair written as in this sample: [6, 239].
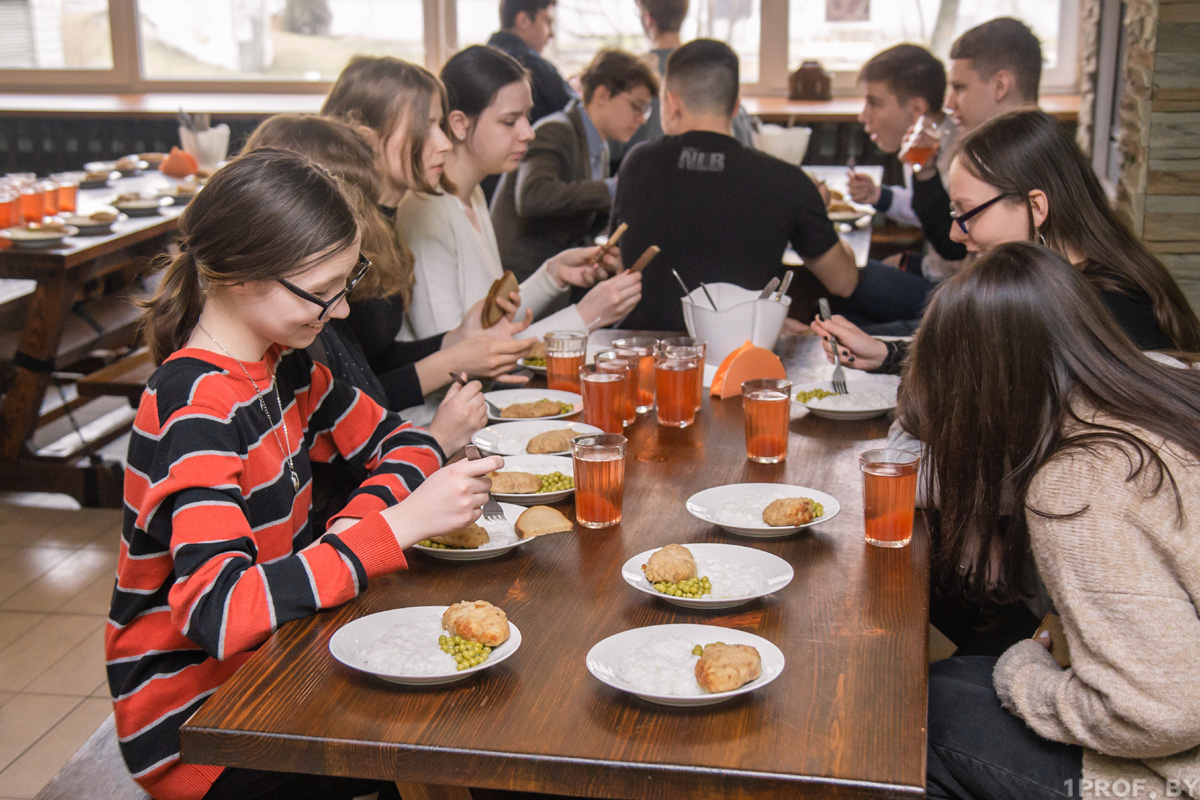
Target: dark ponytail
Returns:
[172, 312]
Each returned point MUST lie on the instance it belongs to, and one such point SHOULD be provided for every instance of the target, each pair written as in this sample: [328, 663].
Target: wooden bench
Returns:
[126, 377]
[96, 771]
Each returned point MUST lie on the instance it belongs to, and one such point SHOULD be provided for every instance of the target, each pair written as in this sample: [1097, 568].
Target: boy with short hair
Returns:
[718, 210]
[560, 195]
[526, 27]
[904, 83]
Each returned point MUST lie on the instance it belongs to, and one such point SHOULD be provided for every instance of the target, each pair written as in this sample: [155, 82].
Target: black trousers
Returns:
[253, 784]
[886, 302]
[979, 751]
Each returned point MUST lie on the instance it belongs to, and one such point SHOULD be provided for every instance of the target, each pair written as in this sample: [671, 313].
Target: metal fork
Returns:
[839, 376]
[461, 379]
[491, 509]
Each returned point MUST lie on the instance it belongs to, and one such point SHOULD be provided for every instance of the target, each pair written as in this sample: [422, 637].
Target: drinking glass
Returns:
[68, 190]
[565, 351]
[644, 347]
[33, 201]
[10, 206]
[603, 397]
[917, 148]
[49, 197]
[599, 463]
[699, 344]
[766, 403]
[889, 495]
[676, 371]
[627, 365]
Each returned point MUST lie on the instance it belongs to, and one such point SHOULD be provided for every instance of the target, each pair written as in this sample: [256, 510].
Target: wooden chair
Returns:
[96, 771]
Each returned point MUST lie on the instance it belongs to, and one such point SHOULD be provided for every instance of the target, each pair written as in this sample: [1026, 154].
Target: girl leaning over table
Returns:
[217, 551]
[1021, 177]
[441, 212]
[1046, 428]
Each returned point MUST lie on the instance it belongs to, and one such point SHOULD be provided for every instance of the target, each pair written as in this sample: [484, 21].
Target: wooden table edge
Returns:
[409, 763]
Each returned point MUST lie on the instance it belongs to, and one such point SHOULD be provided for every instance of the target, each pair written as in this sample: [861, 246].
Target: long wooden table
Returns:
[845, 719]
[108, 263]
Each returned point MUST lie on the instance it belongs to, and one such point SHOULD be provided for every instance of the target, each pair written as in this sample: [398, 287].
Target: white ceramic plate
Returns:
[38, 239]
[90, 227]
[504, 538]
[507, 397]
[99, 183]
[538, 368]
[886, 389]
[776, 574]
[537, 465]
[707, 506]
[848, 216]
[146, 207]
[511, 438]
[603, 659]
[349, 640]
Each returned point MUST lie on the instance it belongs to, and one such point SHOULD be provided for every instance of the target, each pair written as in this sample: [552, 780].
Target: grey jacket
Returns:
[551, 202]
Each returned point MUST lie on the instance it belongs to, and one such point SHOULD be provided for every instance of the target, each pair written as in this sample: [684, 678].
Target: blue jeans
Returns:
[979, 751]
[886, 301]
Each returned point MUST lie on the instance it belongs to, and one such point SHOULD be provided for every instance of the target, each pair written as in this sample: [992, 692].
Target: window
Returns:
[302, 45]
[583, 27]
[69, 35]
[288, 40]
[844, 34]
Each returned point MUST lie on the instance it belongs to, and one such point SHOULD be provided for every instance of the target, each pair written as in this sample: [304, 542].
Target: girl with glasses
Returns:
[217, 550]
[1020, 177]
[1048, 432]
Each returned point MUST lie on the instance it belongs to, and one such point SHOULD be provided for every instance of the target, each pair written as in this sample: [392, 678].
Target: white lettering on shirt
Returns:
[696, 161]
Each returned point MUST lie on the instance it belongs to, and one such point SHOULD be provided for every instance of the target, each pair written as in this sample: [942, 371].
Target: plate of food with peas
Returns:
[533, 480]
[481, 540]
[707, 575]
[864, 400]
[425, 645]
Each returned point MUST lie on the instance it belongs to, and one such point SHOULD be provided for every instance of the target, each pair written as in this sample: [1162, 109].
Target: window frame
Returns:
[440, 33]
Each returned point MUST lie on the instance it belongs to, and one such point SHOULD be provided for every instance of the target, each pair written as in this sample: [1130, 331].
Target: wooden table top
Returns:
[845, 719]
[76, 251]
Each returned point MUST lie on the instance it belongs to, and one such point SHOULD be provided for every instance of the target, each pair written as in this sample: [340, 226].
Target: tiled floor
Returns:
[57, 564]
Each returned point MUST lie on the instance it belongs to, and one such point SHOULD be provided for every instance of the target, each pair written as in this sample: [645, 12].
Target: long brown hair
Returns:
[266, 215]
[382, 93]
[1023, 151]
[340, 149]
[1013, 356]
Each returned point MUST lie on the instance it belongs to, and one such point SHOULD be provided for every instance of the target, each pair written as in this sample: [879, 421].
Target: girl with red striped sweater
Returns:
[217, 551]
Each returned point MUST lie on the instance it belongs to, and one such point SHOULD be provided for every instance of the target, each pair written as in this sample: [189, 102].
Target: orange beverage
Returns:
[604, 396]
[766, 405]
[68, 197]
[889, 495]
[599, 464]
[10, 209]
[627, 367]
[50, 197]
[917, 155]
[562, 372]
[675, 380]
[644, 348]
[701, 347]
[33, 203]
[565, 352]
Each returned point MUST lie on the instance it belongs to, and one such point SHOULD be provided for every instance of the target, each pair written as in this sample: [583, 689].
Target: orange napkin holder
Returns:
[178, 164]
[745, 364]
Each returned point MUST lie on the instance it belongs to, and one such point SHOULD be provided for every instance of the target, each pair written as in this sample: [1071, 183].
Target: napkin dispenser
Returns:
[740, 317]
[786, 144]
[209, 147]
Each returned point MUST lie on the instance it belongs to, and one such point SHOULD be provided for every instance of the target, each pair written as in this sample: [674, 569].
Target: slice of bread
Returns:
[540, 520]
[501, 287]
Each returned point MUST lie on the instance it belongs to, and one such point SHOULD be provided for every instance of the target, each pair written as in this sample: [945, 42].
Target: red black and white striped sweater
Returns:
[217, 551]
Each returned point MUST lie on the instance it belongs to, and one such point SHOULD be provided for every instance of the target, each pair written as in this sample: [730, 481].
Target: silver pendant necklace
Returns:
[263, 404]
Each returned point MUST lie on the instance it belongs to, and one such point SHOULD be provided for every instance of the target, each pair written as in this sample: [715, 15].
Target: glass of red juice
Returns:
[599, 465]
[889, 495]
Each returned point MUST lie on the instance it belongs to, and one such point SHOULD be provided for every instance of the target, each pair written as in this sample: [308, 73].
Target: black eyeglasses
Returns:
[364, 264]
[961, 219]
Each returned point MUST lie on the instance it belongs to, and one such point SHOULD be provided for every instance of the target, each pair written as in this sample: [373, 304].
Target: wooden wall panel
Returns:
[1171, 224]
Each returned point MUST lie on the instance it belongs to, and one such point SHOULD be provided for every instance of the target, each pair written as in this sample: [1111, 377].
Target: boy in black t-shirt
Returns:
[718, 211]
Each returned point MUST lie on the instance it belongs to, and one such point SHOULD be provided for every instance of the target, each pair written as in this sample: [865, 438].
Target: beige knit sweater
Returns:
[1125, 578]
